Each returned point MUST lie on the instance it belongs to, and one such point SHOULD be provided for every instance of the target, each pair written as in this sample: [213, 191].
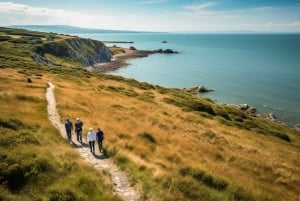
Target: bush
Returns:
[192, 190]
[204, 178]
[186, 171]
[241, 195]
[11, 123]
[16, 172]
[62, 195]
[5, 38]
[148, 137]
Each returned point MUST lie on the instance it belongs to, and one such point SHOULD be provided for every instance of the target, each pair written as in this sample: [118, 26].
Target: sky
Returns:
[157, 15]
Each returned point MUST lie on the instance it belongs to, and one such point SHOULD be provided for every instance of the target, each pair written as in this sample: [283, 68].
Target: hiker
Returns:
[69, 128]
[91, 137]
[78, 129]
[99, 137]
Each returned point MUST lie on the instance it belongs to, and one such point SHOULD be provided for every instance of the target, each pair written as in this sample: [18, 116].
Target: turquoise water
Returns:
[262, 70]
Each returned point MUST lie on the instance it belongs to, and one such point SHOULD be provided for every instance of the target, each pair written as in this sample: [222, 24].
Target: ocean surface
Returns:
[262, 70]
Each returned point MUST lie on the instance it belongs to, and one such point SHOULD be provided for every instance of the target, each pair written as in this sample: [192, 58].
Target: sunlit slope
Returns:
[187, 150]
[35, 161]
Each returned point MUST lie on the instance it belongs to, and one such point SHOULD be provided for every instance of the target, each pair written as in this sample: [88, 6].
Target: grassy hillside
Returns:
[174, 145]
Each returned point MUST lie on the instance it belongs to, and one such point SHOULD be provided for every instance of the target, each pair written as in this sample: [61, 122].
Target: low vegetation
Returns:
[173, 145]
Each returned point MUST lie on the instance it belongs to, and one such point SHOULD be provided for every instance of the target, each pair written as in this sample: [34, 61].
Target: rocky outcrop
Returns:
[166, 51]
[244, 107]
[39, 59]
[270, 117]
[88, 52]
[198, 89]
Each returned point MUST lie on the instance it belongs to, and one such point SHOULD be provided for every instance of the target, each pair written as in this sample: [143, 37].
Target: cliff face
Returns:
[85, 51]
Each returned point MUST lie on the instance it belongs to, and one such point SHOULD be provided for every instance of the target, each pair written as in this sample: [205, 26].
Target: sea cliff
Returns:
[87, 52]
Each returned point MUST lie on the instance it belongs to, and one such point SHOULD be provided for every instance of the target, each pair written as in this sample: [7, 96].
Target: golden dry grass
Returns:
[26, 102]
[262, 165]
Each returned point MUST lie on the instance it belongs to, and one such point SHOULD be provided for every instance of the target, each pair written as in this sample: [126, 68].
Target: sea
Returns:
[261, 70]
[258, 69]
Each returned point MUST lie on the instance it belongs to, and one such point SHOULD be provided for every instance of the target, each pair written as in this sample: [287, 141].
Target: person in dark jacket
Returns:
[69, 128]
[100, 137]
[78, 129]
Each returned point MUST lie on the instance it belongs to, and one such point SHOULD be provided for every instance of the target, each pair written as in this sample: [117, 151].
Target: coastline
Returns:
[119, 60]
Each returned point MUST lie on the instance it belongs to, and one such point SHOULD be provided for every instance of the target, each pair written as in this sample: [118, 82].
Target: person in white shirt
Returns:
[91, 138]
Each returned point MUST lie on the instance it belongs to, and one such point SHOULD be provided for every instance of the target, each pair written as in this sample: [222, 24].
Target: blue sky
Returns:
[157, 15]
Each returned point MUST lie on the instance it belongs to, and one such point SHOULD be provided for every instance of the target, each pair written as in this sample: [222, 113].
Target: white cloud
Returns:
[203, 11]
[197, 17]
[25, 14]
[9, 7]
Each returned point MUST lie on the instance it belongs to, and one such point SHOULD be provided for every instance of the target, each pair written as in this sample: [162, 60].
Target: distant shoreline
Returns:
[119, 60]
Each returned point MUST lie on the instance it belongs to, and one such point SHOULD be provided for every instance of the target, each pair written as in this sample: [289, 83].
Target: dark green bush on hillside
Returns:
[188, 103]
[204, 178]
[13, 124]
[62, 195]
[5, 38]
[148, 137]
[241, 195]
[192, 190]
[17, 171]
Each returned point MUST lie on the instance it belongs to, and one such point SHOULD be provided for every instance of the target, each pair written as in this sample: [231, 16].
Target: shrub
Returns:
[5, 38]
[148, 137]
[17, 171]
[241, 195]
[62, 195]
[223, 114]
[186, 171]
[121, 160]
[11, 123]
[192, 190]
[204, 178]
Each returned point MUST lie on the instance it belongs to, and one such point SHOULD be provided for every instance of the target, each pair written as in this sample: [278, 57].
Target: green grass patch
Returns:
[205, 178]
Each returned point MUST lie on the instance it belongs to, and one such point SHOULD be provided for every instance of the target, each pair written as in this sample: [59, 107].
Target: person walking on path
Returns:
[78, 129]
[91, 137]
[100, 137]
[69, 128]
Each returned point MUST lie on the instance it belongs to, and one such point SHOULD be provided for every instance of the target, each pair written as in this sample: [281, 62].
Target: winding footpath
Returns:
[121, 186]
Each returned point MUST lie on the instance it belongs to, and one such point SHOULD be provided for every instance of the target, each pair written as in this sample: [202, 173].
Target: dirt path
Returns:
[120, 182]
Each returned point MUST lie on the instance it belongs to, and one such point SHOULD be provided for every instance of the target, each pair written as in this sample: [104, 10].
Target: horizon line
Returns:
[157, 31]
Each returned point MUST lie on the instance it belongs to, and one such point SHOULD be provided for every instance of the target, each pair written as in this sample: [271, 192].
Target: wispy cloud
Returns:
[152, 2]
[200, 9]
[9, 7]
[26, 14]
[195, 17]
[204, 10]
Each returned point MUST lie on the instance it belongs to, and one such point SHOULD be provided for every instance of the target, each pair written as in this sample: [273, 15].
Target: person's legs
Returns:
[77, 135]
[69, 135]
[80, 136]
[99, 145]
[90, 144]
[93, 146]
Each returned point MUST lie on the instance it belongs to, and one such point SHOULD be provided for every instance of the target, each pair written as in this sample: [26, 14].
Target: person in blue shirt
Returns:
[100, 137]
[69, 128]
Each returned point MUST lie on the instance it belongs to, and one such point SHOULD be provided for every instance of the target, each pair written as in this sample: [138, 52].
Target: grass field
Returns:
[174, 145]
